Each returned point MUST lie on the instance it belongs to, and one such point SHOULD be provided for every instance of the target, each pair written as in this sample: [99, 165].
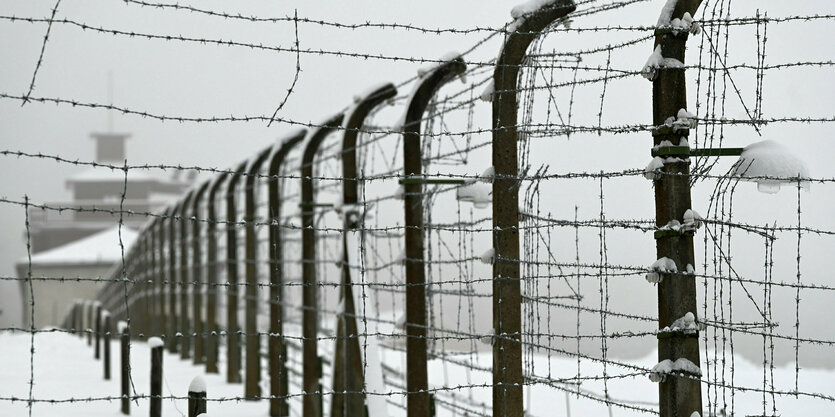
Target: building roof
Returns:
[105, 174]
[100, 248]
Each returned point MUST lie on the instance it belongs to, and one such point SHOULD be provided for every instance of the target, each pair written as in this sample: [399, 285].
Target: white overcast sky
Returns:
[189, 79]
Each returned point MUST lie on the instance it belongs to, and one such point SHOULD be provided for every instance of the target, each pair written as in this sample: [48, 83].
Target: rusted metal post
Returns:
[277, 350]
[185, 283]
[311, 406]
[212, 283]
[252, 388]
[416, 372]
[233, 329]
[197, 280]
[507, 292]
[678, 396]
[172, 321]
[348, 368]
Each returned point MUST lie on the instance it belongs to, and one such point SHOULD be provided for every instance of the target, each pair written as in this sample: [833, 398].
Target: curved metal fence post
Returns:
[184, 284]
[153, 279]
[507, 293]
[162, 282]
[252, 388]
[153, 294]
[348, 368]
[677, 296]
[416, 372]
[142, 277]
[233, 329]
[197, 280]
[277, 350]
[310, 314]
[212, 284]
[172, 280]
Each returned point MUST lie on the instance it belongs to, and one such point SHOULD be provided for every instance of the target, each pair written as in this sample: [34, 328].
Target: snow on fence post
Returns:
[277, 349]
[98, 326]
[196, 397]
[417, 383]
[679, 395]
[108, 327]
[124, 333]
[311, 384]
[156, 344]
[531, 19]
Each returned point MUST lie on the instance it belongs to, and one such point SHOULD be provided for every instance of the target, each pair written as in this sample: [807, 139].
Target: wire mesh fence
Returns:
[478, 239]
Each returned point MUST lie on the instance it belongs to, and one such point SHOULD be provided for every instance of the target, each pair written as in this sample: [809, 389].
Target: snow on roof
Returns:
[111, 174]
[100, 248]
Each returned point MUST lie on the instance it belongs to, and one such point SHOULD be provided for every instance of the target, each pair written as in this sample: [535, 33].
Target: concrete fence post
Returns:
[416, 369]
[98, 326]
[311, 384]
[233, 328]
[171, 322]
[88, 321]
[108, 329]
[252, 383]
[678, 396]
[276, 348]
[348, 367]
[184, 325]
[212, 284]
[197, 277]
[196, 397]
[124, 333]
[507, 291]
[156, 344]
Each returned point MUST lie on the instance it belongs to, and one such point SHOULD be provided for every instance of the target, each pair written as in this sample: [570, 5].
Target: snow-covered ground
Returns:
[65, 369]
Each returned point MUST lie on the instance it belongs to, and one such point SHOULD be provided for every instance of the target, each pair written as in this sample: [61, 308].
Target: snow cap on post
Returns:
[198, 384]
[121, 325]
[154, 342]
[528, 7]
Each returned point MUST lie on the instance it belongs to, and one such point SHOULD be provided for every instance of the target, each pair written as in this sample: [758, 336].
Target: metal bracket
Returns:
[418, 180]
[306, 205]
[687, 151]
[661, 234]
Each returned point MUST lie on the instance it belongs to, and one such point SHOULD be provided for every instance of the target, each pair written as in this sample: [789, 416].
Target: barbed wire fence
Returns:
[350, 268]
